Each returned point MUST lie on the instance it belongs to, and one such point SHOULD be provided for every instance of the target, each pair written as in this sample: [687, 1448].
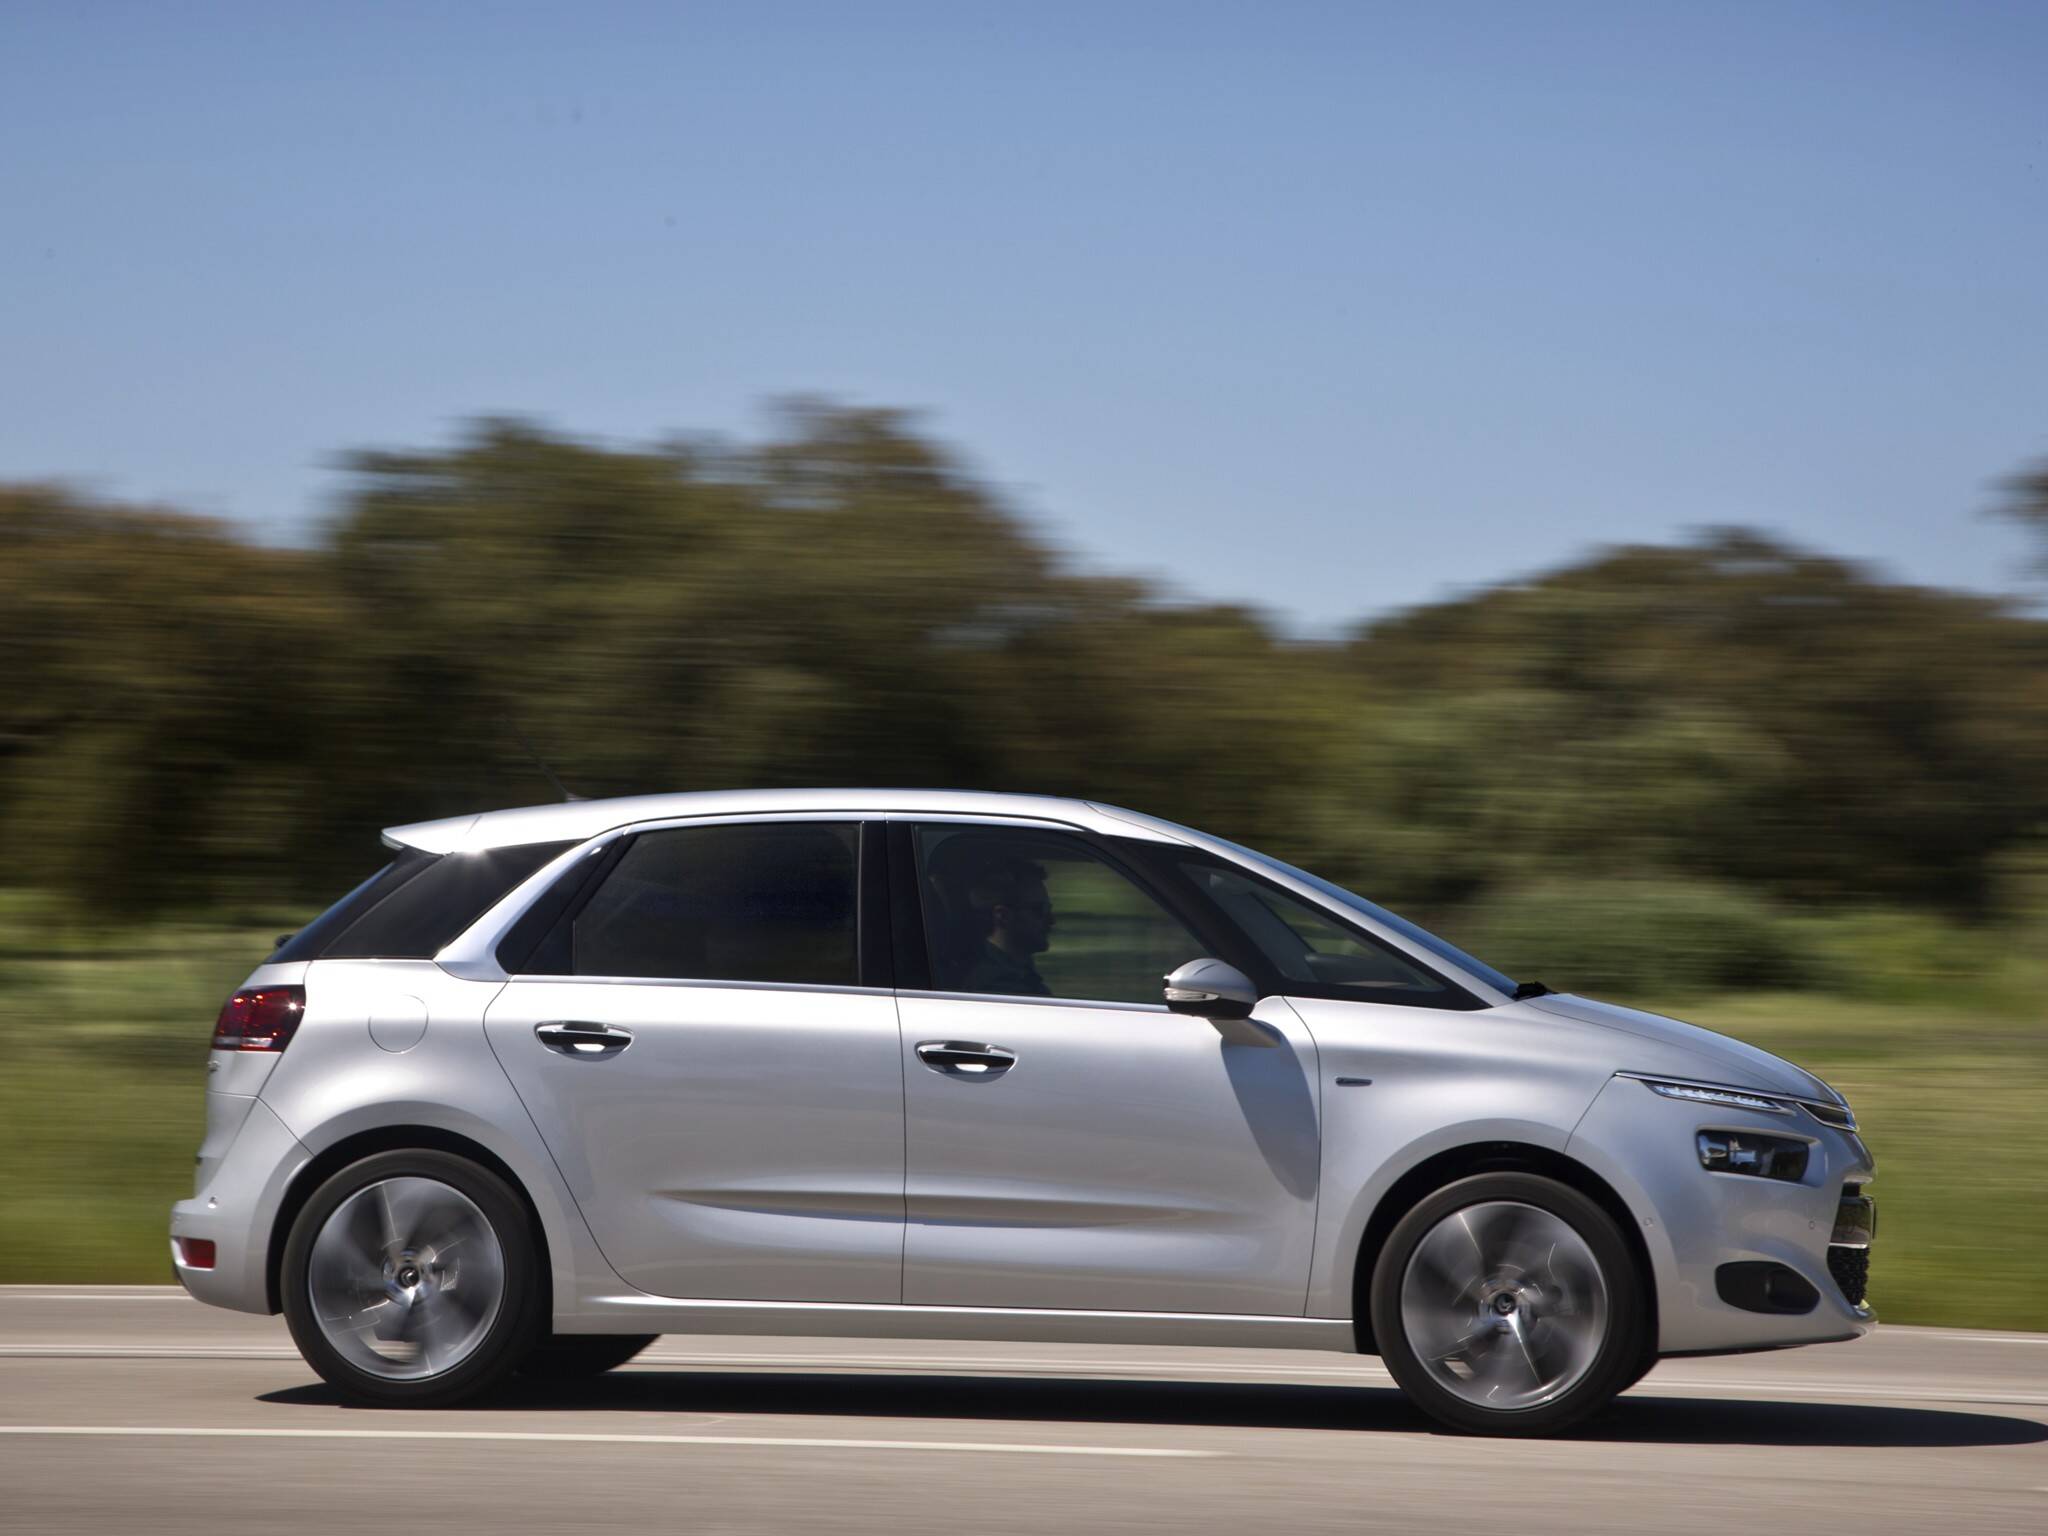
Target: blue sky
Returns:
[1332, 308]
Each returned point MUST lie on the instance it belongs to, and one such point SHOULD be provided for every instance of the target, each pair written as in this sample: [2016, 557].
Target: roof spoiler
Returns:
[444, 836]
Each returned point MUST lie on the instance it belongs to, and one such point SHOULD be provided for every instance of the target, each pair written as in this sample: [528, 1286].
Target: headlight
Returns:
[1767, 1157]
[1727, 1098]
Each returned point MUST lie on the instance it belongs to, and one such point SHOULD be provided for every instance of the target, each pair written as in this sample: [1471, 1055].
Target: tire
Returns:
[1509, 1304]
[573, 1356]
[404, 1257]
[1641, 1368]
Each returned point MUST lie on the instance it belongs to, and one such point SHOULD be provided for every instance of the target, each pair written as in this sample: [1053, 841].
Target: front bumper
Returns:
[1694, 1221]
[234, 1210]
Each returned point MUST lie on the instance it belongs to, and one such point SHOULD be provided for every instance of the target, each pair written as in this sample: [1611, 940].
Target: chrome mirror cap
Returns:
[1211, 990]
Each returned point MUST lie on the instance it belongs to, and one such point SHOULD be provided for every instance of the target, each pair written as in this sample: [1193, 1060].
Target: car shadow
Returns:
[1638, 1418]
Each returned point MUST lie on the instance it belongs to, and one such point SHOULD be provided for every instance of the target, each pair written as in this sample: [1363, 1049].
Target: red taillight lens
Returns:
[259, 1020]
[194, 1252]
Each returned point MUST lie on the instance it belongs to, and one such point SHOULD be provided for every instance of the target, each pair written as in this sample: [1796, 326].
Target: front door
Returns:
[723, 1098]
[1071, 1143]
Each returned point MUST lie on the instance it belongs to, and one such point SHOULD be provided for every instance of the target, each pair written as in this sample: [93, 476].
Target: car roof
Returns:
[580, 820]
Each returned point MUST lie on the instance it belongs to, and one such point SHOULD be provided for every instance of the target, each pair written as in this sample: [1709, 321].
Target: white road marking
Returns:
[140, 1293]
[139, 1352]
[517, 1437]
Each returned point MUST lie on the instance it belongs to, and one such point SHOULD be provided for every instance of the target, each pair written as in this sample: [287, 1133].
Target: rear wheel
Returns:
[1508, 1304]
[568, 1356]
[410, 1280]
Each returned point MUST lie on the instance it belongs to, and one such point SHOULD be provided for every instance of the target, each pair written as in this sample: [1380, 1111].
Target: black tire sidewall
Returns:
[1622, 1352]
[511, 1334]
[573, 1356]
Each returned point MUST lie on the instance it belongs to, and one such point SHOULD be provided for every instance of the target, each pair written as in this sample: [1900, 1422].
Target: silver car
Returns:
[897, 1064]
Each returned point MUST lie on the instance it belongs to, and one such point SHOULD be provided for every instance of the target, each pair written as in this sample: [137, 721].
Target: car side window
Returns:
[756, 901]
[1305, 945]
[1014, 912]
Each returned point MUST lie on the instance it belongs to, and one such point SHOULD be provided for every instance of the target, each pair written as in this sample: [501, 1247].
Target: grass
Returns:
[102, 1102]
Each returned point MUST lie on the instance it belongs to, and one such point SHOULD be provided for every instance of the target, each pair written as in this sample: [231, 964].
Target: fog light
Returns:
[1767, 1157]
[193, 1252]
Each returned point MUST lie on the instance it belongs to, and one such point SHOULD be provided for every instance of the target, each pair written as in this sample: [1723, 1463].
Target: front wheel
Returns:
[410, 1280]
[1508, 1304]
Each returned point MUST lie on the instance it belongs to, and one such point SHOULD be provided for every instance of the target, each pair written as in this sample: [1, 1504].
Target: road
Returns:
[135, 1409]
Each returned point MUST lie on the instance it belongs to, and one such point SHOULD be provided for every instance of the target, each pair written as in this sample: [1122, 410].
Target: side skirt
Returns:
[637, 1313]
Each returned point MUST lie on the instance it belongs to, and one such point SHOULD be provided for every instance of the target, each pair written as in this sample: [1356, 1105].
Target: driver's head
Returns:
[1009, 900]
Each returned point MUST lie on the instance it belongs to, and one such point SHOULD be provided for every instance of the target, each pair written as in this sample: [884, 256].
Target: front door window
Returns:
[1014, 912]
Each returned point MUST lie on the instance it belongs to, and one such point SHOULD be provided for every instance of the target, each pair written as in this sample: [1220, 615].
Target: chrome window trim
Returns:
[702, 982]
[990, 819]
[1042, 1002]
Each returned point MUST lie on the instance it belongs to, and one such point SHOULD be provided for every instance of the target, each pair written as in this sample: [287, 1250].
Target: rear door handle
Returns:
[965, 1058]
[575, 1037]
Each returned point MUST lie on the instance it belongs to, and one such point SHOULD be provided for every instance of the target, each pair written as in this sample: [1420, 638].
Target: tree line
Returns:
[190, 716]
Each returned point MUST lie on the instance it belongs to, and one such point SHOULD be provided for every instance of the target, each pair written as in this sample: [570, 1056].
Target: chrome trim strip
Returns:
[1041, 1002]
[1837, 1117]
[704, 982]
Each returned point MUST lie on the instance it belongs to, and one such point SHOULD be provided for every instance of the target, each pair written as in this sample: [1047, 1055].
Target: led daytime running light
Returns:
[1726, 1098]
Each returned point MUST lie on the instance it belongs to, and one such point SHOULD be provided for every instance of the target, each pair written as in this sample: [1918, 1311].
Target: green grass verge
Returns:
[102, 1103]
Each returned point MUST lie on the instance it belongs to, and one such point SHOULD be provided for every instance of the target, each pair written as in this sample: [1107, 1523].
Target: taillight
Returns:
[261, 1019]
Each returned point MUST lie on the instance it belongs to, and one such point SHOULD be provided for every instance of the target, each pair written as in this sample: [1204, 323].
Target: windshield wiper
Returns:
[1524, 990]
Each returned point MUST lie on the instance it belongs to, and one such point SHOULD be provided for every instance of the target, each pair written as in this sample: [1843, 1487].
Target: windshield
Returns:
[1414, 933]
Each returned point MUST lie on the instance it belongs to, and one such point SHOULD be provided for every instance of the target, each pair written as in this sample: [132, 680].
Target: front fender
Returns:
[1403, 1085]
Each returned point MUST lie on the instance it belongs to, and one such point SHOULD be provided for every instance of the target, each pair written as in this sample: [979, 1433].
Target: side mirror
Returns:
[1211, 990]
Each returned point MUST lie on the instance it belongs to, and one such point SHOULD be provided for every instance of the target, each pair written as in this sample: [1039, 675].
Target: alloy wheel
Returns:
[406, 1278]
[1504, 1304]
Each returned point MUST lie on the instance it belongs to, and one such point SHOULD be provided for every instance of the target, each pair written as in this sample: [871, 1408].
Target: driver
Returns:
[1013, 914]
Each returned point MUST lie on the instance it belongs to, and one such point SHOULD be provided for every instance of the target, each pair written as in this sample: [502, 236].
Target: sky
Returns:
[1329, 308]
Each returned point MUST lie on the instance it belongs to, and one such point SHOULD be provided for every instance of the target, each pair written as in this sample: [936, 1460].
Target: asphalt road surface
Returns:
[135, 1409]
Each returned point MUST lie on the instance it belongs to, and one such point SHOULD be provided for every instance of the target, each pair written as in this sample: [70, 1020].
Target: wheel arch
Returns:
[1454, 1163]
[398, 1138]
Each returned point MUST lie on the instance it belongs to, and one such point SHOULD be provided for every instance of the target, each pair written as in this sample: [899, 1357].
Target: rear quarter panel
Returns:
[387, 1043]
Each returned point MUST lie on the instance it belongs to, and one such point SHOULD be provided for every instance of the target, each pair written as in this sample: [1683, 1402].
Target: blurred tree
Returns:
[1737, 709]
[2026, 503]
[164, 682]
[188, 714]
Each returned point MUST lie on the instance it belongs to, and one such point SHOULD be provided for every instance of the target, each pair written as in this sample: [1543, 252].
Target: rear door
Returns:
[1071, 1143]
[721, 1089]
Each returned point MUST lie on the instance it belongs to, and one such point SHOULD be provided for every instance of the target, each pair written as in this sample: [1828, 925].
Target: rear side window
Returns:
[415, 920]
[310, 941]
[763, 902]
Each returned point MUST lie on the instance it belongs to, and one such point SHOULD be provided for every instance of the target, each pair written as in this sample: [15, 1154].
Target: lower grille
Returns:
[1851, 1269]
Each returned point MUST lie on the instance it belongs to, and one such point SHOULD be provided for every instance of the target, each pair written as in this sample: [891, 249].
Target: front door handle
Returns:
[965, 1058]
[575, 1037]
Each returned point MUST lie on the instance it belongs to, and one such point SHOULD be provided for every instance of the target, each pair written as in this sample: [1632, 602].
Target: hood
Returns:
[1686, 1050]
